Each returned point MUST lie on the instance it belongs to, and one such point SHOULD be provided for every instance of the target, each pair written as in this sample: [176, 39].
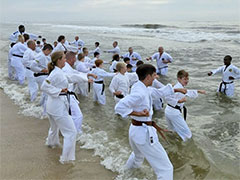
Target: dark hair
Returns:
[26, 37]
[139, 63]
[43, 39]
[228, 57]
[97, 43]
[116, 57]
[47, 46]
[95, 54]
[60, 38]
[129, 66]
[38, 42]
[126, 59]
[182, 73]
[144, 70]
[21, 26]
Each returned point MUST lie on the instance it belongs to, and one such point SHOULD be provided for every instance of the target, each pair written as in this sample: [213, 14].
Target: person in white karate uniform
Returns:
[120, 85]
[143, 137]
[116, 59]
[58, 107]
[78, 43]
[77, 115]
[115, 50]
[97, 48]
[96, 56]
[98, 84]
[17, 52]
[28, 59]
[63, 45]
[82, 87]
[40, 69]
[163, 59]
[229, 74]
[133, 56]
[21, 31]
[173, 112]
[87, 59]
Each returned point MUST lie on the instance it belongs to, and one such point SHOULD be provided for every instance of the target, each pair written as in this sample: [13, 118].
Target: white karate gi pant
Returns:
[157, 104]
[162, 71]
[97, 93]
[229, 89]
[66, 126]
[43, 100]
[154, 153]
[81, 88]
[177, 123]
[16, 62]
[11, 71]
[32, 85]
[77, 115]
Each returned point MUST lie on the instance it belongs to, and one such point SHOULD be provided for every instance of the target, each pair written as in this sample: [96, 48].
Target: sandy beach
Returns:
[24, 155]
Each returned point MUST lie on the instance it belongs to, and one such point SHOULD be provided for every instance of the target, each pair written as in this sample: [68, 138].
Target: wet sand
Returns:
[24, 155]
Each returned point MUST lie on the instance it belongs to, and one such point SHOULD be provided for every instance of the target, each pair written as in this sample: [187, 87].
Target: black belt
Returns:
[40, 74]
[225, 83]
[68, 98]
[163, 67]
[103, 85]
[180, 109]
[17, 55]
[120, 96]
[161, 102]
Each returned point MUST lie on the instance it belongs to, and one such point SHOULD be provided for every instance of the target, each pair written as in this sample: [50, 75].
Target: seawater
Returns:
[197, 47]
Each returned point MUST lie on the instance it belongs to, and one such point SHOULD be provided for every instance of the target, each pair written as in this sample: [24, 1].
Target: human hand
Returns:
[202, 91]
[44, 70]
[231, 78]
[210, 73]
[90, 80]
[145, 112]
[117, 93]
[64, 90]
[182, 100]
[181, 90]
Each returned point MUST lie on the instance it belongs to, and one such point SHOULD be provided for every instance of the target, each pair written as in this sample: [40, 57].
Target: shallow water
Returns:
[213, 152]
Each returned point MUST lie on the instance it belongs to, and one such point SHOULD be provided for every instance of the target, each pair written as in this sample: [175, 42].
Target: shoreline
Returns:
[25, 156]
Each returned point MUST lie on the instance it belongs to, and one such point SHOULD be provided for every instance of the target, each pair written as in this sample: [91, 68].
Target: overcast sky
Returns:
[135, 11]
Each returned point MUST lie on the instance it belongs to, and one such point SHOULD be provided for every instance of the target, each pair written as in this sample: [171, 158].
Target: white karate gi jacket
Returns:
[228, 86]
[115, 50]
[121, 83]
[14, 36]
[160, 65]
[133, 62]
[53, 85]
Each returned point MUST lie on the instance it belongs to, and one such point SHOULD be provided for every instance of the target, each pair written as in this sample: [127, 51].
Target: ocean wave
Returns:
[233, 32]
[173, 33]
[148, 26]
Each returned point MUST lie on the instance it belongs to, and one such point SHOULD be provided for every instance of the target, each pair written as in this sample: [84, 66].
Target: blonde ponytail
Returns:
[54, 59]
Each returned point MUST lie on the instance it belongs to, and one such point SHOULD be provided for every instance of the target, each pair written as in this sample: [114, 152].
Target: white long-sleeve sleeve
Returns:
[126, 105]
[162, 92]
[218, 70]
